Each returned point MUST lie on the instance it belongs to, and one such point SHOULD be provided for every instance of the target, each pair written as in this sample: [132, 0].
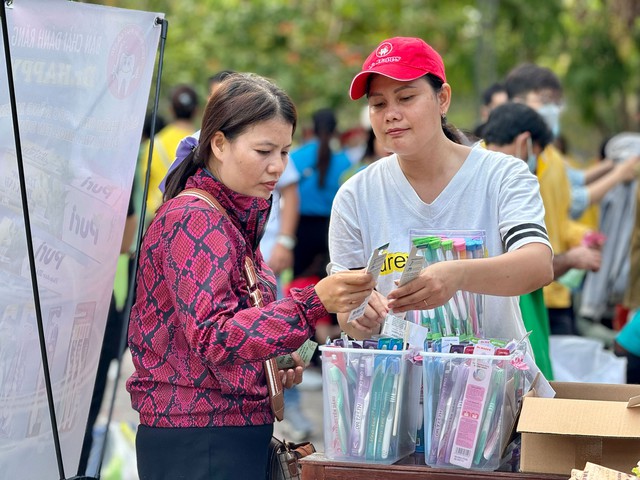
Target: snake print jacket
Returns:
[197, 345]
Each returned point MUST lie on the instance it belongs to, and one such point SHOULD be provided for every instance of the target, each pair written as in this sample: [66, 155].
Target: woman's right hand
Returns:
[345, 291]
[585, 258]
[369, 323]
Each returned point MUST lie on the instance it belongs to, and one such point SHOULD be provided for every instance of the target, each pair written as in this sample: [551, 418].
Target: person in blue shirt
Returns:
[320, 168]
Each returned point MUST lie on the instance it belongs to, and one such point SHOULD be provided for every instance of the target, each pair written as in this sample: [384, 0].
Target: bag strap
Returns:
[274, 382]
[205, 196]
[301, 450]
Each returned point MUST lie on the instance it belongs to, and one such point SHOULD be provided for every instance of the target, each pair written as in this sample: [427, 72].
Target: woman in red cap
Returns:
[434, 183]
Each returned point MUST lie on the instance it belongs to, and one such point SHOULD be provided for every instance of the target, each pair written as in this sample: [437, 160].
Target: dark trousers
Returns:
[633, 368]
[562, 321]
[212, 453]
[311, 254]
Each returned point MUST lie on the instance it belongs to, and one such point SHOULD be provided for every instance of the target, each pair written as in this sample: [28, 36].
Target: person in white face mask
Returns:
[540, 89]
[518, 130]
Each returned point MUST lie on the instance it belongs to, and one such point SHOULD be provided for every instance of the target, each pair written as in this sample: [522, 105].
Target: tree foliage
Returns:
[313, 48]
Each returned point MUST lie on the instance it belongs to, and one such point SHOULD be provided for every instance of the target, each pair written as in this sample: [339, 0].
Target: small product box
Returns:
[470, 407]
[371, 404]
[585, 422]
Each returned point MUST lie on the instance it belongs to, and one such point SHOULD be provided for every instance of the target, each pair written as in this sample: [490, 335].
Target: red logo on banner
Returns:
[126, 62]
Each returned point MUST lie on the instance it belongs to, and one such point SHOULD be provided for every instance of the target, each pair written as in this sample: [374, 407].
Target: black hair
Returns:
[528, 77]
[219, 77]
[602, 148]
[370, 146]
[449, 130]
[324, 127]
[241, 101]
[184, 101]
[510, 119]
[146, 126]
[490, 91]
[477, 132]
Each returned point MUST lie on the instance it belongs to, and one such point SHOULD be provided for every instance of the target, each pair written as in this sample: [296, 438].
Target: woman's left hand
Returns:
[281, 259]
[292, 376]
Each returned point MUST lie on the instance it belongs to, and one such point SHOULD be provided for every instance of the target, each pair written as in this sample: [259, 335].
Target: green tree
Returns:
[313, 48]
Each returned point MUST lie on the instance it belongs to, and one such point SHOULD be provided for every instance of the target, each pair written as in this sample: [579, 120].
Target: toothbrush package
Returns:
[471, 402]
[463, 314]
[371, 403]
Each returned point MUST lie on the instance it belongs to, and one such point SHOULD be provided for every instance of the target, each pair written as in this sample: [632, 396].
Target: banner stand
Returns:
[132, 275]
[27, 224]
[31, 255]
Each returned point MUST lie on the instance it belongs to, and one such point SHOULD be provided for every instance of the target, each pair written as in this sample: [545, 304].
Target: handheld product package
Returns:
[472, 394]
[463, 314]
[370, 398]
[374, 266]
[461, 317]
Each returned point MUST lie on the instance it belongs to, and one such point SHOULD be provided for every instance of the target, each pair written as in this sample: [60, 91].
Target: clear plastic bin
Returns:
[370, 400]
[470, 407]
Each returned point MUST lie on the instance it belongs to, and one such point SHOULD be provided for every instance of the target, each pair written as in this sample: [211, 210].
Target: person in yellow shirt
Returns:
[184, 106]
[540, 89]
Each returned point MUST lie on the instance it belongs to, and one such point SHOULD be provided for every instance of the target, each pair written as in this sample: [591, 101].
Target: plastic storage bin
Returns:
[370, 400]
[470, 407]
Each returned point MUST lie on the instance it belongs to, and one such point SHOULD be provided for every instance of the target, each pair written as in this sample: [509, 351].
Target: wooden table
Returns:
[318, 467]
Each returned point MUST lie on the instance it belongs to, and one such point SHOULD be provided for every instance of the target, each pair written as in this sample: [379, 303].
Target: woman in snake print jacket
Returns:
[197, 344]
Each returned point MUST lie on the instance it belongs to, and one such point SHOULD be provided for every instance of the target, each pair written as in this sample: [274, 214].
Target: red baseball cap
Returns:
[400, 58]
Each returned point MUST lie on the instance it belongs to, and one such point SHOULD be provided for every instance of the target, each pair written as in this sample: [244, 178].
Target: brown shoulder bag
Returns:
[274, 382]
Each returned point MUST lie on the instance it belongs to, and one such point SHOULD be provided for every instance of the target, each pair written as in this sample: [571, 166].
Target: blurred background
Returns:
[312, 49]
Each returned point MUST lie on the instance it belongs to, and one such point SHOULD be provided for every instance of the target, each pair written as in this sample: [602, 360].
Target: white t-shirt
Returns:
[491, 192]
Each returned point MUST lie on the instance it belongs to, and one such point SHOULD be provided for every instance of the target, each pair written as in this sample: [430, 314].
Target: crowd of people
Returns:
[197, 337]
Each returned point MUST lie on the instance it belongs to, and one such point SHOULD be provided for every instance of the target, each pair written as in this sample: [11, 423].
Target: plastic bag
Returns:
[120, 453]
[582, 359]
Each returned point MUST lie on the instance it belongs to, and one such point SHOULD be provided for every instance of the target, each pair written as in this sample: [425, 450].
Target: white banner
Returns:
[82, 75]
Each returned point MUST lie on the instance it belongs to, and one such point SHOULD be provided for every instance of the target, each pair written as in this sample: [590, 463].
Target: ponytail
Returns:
[324, 158]
[324, 126]
[177, 180]
[451, 132]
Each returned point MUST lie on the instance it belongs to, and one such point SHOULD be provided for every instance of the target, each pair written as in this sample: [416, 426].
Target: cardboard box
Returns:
[585, 422]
